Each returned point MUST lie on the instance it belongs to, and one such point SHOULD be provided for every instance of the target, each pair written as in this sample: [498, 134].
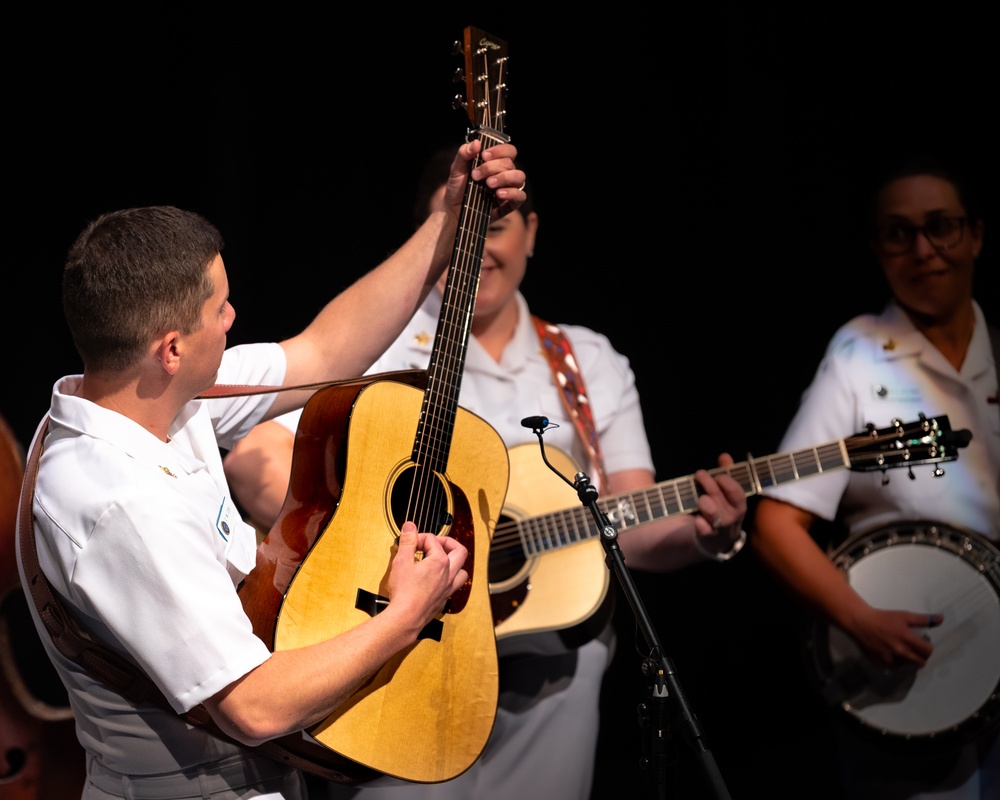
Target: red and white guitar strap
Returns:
[569, 380]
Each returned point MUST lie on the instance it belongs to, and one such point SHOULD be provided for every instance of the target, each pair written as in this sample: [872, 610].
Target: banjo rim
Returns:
[969, 547]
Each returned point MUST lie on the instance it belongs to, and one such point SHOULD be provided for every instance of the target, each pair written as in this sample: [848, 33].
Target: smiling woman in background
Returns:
[929, 351]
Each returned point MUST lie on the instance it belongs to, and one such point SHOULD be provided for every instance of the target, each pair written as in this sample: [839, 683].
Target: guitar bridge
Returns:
[373, 604]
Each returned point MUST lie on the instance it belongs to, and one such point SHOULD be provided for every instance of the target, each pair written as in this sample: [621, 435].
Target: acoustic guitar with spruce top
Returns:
[375, 452]
[547, 568]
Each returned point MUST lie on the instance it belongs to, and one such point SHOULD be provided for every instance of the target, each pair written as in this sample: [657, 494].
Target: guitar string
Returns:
[424, 455]
[428, 501]
[556, 529]
[447, 377]
[966, 605]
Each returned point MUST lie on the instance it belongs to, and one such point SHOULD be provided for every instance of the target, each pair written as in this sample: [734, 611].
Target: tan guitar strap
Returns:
[125, 677]
[569, 380]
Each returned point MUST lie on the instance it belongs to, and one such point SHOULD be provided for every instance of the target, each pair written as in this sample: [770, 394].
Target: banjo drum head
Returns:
[922, 567]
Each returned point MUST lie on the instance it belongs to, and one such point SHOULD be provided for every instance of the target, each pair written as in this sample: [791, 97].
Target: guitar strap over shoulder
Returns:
[569, 380]
[125, 677]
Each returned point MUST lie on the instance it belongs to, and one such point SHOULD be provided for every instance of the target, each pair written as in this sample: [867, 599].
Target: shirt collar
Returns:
[899, 338]
[82, 417]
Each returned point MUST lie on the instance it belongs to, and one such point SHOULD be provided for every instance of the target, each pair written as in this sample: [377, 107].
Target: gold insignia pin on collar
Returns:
[422, 338]
[889, 345]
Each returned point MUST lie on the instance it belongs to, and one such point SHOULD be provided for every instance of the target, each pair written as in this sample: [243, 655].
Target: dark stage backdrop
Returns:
[698, 175]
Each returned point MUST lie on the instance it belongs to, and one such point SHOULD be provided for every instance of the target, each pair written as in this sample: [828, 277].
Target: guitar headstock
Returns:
[485, 75]
[925, 441]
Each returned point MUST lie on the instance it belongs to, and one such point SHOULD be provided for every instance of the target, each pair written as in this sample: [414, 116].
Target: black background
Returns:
[698, 173]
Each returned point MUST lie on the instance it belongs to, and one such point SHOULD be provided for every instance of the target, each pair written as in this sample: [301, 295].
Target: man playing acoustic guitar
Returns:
[134, 524]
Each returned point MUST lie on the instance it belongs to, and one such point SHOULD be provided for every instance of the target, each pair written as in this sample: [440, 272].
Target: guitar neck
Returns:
[447, 361]
[900, 445]
[544, 533]
[486, 81]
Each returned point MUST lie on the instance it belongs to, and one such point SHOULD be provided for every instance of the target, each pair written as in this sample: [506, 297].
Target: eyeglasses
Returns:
[895, 238]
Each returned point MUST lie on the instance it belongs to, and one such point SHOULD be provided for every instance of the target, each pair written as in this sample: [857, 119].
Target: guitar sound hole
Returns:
[418, 494]
[506, 555]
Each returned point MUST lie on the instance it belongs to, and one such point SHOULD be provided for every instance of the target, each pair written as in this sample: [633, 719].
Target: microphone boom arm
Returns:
[665, 690]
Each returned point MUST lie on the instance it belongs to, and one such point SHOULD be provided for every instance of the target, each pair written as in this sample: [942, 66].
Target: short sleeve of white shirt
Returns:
[142, 535]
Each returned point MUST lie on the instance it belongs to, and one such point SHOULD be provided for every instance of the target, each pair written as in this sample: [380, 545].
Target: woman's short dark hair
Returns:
[910, 165]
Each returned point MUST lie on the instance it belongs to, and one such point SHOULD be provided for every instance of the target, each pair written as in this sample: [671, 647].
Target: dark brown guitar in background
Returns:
[369, 455]
[40, 757]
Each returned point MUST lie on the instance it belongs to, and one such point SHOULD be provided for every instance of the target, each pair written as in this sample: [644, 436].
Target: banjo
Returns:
[918, 565]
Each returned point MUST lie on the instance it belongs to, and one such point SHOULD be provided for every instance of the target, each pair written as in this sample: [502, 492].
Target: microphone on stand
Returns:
[663, 685]
[539, 425]
[535, 423]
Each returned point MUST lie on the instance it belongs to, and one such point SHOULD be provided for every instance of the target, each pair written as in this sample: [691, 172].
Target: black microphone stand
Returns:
[667, 702]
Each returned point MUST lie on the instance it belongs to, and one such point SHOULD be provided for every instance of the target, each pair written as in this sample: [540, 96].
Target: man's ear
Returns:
[168, 352]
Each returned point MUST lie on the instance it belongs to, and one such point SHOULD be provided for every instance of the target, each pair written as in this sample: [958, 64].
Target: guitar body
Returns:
[547, 569]
[442, 692]
[319, 461]
[555, 590]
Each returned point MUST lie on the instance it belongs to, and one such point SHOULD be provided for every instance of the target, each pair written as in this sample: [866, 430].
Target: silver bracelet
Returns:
[725, 555]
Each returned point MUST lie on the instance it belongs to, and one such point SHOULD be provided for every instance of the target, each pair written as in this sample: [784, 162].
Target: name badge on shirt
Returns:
[228, 518]
[900, 392]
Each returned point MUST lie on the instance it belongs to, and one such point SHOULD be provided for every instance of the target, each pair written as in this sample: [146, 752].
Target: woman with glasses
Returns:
[903, 602]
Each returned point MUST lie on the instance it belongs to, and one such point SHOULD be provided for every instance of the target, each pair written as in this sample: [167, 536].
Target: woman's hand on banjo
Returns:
[895, 638]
